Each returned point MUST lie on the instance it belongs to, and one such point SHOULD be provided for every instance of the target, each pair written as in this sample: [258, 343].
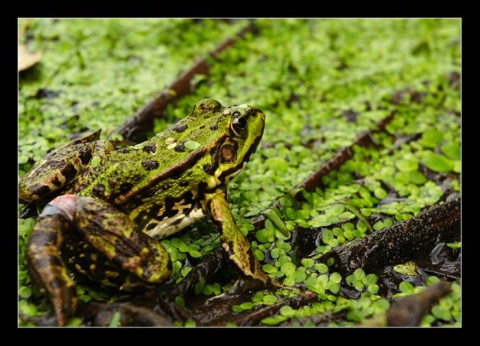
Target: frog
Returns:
[105, 209]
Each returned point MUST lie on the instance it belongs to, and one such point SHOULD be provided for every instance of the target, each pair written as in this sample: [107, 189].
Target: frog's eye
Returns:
[238, 124]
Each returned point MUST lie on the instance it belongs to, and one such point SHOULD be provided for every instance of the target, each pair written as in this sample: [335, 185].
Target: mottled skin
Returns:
[114, 205]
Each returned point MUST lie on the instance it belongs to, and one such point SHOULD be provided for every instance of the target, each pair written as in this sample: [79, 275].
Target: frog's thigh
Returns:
[115, 235]
[235, 244]
[105, 228]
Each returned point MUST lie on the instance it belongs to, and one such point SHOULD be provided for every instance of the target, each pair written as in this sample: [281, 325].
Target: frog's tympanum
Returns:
[113, 205]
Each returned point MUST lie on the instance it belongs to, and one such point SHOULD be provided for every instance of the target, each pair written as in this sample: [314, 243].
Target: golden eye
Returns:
[239, 124]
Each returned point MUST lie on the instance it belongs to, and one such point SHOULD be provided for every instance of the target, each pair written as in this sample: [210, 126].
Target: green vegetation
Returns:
[321, 83]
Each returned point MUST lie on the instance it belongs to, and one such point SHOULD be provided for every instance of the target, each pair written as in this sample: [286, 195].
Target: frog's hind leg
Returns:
[45, 265]
[124, 253]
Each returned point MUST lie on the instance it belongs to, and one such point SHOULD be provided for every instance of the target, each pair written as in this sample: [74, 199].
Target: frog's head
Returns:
[245, 132]
[239, 129]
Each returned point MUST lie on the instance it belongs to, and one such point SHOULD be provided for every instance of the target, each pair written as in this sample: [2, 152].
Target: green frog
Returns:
[110, 207]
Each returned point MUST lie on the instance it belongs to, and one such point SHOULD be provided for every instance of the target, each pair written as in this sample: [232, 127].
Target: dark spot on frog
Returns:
[187, 197]
[169, 203]
[180, 148]
[209, 168]
[204, 108]
[148, 218]
[202, 186]
[56, 182]
[148, 193]
[150, 226]
[145, 216]
[98, 190]
[123, 151]
[66, 168]
[150, 165]
[228, 153]
[214, 127]
[183, 183]
[176, 175]
[176, 222]
[150, 148]
[170, 211]
[180, 128]
[125, 187]
[85, 154]
[239, 166]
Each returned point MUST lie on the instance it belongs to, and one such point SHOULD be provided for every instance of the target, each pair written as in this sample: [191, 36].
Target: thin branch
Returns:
[135, 128]
[342, 156]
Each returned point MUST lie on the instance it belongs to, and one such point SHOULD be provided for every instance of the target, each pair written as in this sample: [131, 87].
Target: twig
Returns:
[135, 128]
[315, 179]
[409, 311]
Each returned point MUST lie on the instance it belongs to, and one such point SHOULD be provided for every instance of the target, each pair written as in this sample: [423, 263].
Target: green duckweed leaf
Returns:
[437, 163]
[452, 151]
[431, 138]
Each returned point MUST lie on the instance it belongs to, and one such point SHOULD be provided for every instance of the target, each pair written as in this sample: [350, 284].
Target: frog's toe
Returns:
[240, 287]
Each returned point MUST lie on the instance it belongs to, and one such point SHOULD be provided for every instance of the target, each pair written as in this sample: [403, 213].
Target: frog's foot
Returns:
[205, 270]
[44, 261]
[101, 243]
[246, 284]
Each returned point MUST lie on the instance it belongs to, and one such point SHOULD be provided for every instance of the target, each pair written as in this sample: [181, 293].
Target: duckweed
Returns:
[315, 107]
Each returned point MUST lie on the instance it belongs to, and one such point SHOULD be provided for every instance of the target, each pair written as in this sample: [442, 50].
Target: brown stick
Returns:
[406, 240]
[409, 311]
[315, 179]
[136, 127]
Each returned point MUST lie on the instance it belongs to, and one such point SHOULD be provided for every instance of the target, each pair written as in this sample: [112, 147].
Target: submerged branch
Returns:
[401, 242]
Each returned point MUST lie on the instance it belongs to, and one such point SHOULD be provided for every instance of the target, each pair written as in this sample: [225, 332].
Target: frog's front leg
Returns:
[235, 244]
[100, 242]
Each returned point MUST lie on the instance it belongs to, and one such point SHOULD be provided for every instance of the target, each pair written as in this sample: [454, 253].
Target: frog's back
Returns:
[170, 164]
